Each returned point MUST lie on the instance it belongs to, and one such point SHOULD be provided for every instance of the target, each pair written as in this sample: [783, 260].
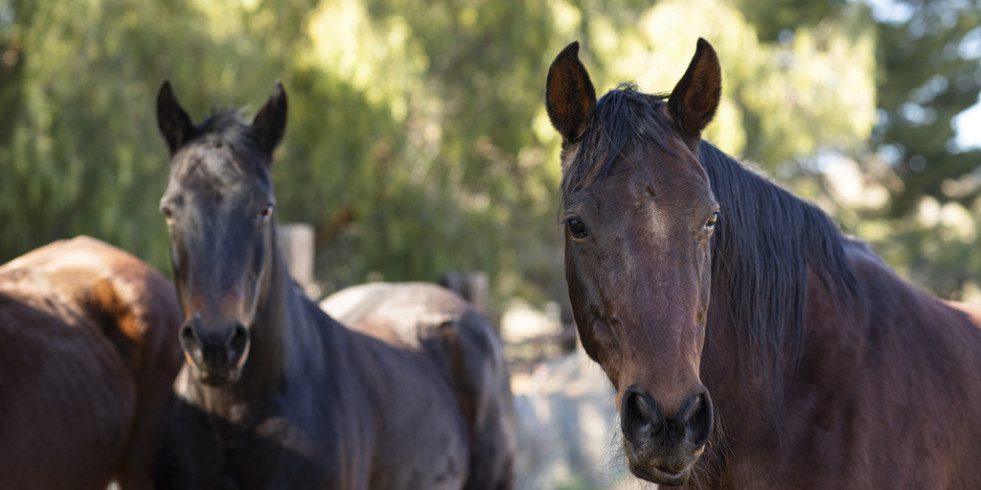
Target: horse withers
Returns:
[813, 366]
[274, 392]
[88, 353]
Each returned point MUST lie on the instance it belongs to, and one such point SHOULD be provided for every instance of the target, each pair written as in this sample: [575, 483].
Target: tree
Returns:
[80, 151]
[918, 194]
[417, 141]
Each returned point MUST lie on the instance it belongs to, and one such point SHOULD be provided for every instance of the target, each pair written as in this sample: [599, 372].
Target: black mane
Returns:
[762, 246]
[623, 118]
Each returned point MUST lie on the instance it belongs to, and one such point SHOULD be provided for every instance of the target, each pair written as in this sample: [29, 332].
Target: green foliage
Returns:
[915, 195]
[80, 152]
[417, 139]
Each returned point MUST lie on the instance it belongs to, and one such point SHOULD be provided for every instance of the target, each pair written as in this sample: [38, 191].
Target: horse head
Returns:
[220, 211]
[639, 217]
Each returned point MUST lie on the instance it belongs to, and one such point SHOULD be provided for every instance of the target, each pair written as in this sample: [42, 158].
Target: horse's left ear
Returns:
[269, 124]
[695, 98]
[570, 98]
[174, 123]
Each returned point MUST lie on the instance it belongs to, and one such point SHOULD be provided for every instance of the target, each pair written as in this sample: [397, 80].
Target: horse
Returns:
[275, 393]
[433, 320]
[88, 353]
[814, 365]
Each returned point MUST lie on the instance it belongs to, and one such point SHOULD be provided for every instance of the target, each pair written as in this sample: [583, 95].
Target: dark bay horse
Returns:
[277, 394]
[813, 366]
[88, 354]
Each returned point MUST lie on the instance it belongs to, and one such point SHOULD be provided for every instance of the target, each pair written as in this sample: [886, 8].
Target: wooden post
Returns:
[296, 240]
[472, 286]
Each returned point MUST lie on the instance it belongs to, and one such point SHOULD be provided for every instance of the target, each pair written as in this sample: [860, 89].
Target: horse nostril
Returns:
[189, 337]
[698, 424]
[641, 417]
[238, 340]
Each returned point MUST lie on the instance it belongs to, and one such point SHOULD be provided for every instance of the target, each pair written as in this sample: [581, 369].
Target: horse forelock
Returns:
[225, 128]
[624, 123]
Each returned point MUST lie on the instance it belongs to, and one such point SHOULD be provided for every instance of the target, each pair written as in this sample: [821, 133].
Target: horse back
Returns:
[432, 321]
[108, 321]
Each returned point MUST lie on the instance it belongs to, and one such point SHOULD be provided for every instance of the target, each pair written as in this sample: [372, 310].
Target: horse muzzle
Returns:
[664, 449]
[216, 355]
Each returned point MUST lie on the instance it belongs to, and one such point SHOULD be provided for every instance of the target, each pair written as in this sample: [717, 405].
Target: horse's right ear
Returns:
[695, 98]
[269, 124]
[175, 125]
[570, 98]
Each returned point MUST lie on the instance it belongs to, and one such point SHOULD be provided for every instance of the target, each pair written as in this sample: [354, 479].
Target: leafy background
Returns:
[418, 141]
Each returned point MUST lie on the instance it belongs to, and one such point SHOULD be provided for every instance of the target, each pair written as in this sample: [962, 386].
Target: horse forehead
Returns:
[220, 172]
[667, 185]
[666, 168]
[674, 160]
[676, 163]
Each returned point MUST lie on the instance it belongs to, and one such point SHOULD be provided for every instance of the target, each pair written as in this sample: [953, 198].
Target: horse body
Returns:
[275, 393]
[91, 355]
[813, 366]
[433, 323]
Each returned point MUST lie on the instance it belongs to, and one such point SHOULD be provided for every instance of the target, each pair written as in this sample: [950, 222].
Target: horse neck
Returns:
[767, 273]
[272, 327]
[721, 368]
[743, 404]
[751, 399]
[287, 326]
[284, 334]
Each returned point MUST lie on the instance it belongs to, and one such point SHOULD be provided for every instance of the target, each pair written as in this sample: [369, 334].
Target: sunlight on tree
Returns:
[418, 141]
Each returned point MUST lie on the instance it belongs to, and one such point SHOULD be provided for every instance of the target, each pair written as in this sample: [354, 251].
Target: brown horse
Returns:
[88, 335]
[826, 370]
[274, 392]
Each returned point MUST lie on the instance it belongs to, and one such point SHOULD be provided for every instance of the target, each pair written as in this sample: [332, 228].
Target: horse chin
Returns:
[661, 477]
[652, 470]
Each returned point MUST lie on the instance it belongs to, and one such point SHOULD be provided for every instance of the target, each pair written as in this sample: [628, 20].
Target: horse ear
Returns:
[695, 98]
[175, 125]
[269, 124]
[570, 98]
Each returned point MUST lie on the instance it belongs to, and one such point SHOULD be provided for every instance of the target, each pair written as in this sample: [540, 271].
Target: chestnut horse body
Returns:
[88, 334]
[751, 344]
[274, 392]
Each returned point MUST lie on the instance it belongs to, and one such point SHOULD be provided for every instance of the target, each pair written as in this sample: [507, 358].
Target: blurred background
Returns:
[418, 142]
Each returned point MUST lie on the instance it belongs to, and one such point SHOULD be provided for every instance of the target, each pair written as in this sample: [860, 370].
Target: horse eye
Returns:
[576, 228]
[167, 212]
[266, 211]
[710, 224]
